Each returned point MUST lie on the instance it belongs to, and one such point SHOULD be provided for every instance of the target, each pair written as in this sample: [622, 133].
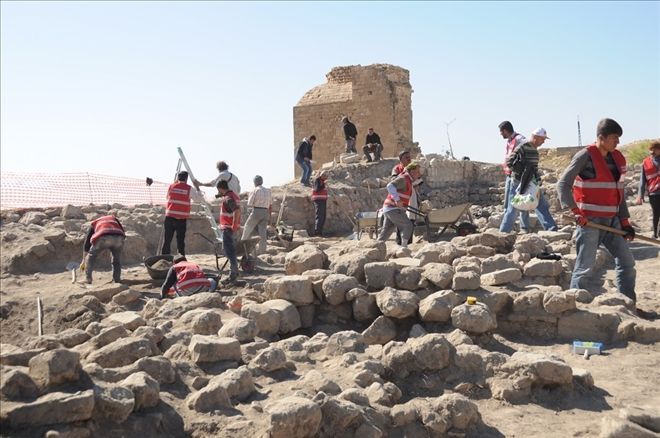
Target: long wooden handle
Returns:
[616, 231]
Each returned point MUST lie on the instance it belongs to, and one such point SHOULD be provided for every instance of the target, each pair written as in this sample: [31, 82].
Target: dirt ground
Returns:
[625, 375]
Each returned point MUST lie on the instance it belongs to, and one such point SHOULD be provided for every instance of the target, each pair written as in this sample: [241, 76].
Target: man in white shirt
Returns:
[224, 175]
[260, 201]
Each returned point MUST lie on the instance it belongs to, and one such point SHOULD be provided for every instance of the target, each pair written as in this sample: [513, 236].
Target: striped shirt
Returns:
[260, 198]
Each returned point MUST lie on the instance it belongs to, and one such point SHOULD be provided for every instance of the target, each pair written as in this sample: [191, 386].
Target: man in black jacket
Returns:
[304, 159]
[372, 145]
[350, 133]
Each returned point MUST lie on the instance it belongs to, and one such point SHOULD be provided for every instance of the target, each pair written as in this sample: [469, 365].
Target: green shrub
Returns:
[636, 152]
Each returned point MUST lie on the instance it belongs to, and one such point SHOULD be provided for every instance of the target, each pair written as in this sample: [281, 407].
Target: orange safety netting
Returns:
[38, 190]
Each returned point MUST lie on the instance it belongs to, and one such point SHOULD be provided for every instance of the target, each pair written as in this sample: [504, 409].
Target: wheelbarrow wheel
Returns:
[247, 265]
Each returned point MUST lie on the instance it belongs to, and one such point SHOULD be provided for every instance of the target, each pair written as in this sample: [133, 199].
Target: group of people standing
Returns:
[372, 149]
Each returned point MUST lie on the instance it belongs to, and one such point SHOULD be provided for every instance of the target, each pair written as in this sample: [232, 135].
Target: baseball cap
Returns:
[541, 133]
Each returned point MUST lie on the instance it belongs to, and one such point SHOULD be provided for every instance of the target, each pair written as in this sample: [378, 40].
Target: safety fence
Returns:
[40, 190]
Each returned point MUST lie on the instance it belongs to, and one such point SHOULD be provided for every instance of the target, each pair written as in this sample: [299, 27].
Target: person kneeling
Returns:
[185, 278]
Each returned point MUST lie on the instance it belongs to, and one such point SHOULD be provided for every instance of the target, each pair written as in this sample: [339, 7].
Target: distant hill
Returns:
[636, 151]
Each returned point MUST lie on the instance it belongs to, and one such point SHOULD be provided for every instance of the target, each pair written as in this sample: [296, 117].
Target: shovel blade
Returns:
[72, 265]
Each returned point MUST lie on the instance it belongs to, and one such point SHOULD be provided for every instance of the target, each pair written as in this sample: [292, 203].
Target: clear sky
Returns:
[115, 87]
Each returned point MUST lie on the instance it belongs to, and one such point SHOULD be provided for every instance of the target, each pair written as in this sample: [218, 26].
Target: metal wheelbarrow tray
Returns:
[245, 249]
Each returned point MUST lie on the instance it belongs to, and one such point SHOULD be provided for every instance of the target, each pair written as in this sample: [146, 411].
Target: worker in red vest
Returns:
[399, 192]
[593, 188]
[177, 213]
[230, 222]
[320, 199]
[104, 233]
[650, 179]
[185, 278]
[404, 160]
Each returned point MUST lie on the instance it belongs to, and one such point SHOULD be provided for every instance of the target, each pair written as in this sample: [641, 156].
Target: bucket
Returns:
[157, 274]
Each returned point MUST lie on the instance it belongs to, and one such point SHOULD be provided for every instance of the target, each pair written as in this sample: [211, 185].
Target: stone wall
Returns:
[376, 96]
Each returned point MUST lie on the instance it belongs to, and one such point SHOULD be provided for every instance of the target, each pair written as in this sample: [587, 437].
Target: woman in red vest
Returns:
[104, 233]
[592, 187]
[177, 213]
[185, 278]
[650, 179]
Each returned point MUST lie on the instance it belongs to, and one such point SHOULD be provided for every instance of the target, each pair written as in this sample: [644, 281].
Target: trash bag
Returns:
[528, 200]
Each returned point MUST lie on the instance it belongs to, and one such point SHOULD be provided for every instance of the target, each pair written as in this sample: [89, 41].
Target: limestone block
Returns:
[269, 359]
[294, 288]
[55, 367]
[503, 276]
[293, 417]
[213, 349]
[381, 331]
[365, 307]
[380, 274]
[289, 316]
[242, 329]
[439, 274]
[396, 303]
[476, 318]
[437, 307]
[267, 319]
[542, 268]
[409, 278]
[335, 287]
[304, 258]
[52, 408]
[558, 302]
[121, 352]
[466, 281]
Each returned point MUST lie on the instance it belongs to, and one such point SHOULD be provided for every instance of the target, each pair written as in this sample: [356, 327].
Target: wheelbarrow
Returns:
[366, 221]
[245, 249]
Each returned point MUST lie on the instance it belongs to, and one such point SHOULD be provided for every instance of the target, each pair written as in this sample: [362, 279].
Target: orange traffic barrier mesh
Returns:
[39, 190]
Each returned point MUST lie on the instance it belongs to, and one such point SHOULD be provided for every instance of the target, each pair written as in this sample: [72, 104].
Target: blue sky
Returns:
[115, 87]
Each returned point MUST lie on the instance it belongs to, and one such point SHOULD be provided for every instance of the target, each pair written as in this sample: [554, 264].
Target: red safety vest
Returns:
[652, 175]
[190, 277]
[178, 200]
[104, 226]
[398, 169]
[226, 218]
[600, 196]
[403, 196]
[320, 195]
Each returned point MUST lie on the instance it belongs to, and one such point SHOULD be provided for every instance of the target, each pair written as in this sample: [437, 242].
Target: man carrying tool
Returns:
[230, 222]
[404, 160]
[524, 165]
[592, 186]
[223, 175]
[399, 192]
[513, 140]
[104, 233]
[260, 200]
[177, 213]
[185, 278]
[320, 200]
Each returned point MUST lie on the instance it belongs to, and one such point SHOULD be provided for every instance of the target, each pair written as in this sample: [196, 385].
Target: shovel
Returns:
[73, 267]
[616, 231]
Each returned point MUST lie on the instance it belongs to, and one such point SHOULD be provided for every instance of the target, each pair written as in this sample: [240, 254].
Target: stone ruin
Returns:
[349, 336]
[376, 96]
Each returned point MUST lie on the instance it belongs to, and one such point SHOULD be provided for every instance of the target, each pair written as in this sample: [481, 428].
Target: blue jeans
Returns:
[306, 171]
[230, 250]
[542, 212]
[587, 242]
[524, 215]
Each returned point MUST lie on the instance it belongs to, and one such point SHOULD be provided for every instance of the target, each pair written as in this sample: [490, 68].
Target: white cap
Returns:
[541, 133]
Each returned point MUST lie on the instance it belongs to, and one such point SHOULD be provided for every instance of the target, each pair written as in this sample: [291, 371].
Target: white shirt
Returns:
[232, 181]
[260, 197]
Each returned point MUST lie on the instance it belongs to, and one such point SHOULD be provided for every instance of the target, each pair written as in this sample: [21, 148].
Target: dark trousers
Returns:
[172, 225]
[398, 234]
[654, 200]
[319, 216]
[230, 250]
[376, 149]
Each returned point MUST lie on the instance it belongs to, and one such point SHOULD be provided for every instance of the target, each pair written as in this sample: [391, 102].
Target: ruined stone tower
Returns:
[376, 96]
